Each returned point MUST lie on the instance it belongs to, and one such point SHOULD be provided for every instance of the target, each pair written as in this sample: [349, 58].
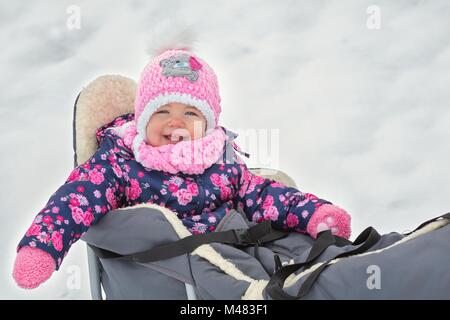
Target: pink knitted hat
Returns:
[177, 75]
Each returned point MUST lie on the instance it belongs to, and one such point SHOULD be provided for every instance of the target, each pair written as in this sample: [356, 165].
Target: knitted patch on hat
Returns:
[181, 65]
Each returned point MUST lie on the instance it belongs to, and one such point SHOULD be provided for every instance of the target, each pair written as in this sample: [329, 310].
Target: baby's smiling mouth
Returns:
[173, 138]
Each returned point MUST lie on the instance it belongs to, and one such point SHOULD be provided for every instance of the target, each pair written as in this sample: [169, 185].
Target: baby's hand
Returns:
[330, 217]
[32, 267]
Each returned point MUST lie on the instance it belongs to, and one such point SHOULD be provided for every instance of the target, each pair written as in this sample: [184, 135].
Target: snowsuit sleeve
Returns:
[92, 189]
[265, 199]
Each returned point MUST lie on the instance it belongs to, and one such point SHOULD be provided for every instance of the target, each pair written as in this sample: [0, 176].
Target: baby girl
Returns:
[170, 152]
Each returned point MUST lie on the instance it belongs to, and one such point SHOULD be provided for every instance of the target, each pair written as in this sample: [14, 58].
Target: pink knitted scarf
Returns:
[189, 157]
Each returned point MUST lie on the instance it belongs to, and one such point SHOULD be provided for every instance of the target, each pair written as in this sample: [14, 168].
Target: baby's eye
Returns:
[162, 111]
[191, 113]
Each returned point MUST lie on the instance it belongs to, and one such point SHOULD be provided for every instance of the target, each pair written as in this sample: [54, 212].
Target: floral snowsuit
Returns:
[112, 178]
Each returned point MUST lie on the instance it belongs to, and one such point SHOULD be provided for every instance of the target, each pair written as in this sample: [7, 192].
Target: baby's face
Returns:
[175, 122]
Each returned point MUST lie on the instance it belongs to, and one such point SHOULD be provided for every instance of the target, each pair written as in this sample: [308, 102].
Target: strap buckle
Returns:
[243, 237]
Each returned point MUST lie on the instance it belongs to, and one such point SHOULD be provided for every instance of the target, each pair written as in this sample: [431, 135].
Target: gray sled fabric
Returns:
[397, 266]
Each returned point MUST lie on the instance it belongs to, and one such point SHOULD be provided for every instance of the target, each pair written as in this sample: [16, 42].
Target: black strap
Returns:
[325, 239]
[256, 234]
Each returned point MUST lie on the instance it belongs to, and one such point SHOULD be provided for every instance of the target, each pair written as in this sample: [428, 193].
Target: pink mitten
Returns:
[32, 267]
[331, 217]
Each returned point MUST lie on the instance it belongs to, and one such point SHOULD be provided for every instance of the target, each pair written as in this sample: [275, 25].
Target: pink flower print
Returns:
[74, 202]
[216, 180]
[80, 189]
[250, 188]
[271, 213]
[258, 180]
[276, 184]
[98, 209]
[224, 179]
[55, 210]
[82, 200]
[193, 189]
[57, 241]
[176, 180]
[38, 219]
[60, 218]
[199, 228]
[110, 197]
[173, 188]
[291, 220]
[249, 202]
[302, 203]
[163, 191]
[74, 175]
[134, 190]
[88, 217]
[212, 219]
[268, 202]
[43, 237]
[140, 174]
[225, 193]
[117, 171]
[305, 214]
[242, 190]
[281, 197]
[183, 196]
[47, 220]
[97, 194]
[96, 177]
[311, 197]
[257, 217]
[119, 122]
[77, 215]
[33, 230]
[196, 217]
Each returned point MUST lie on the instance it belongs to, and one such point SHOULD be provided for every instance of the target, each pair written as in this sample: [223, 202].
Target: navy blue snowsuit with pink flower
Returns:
[112, 178]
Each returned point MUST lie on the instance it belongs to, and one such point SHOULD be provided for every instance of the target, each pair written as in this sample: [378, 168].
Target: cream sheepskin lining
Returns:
[104, 99]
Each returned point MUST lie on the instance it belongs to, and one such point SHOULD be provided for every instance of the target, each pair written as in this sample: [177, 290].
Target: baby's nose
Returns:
[176, 123]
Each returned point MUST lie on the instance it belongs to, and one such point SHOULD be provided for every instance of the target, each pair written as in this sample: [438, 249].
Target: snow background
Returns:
[363, 114]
